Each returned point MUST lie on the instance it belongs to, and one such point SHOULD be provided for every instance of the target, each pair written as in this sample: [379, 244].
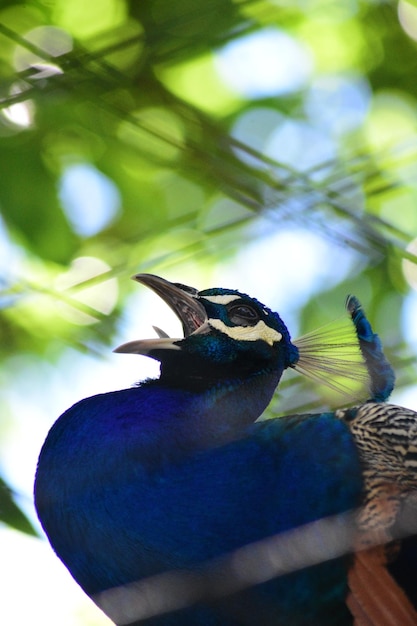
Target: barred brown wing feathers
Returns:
[386, 436]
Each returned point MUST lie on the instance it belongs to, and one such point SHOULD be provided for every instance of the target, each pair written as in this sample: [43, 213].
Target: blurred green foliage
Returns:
[132, 92]
[10, 512]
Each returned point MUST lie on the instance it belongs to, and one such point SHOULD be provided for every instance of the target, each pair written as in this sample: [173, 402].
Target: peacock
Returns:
[172, 504]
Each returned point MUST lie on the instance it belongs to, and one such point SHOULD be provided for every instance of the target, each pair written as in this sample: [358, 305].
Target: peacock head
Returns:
[226, 334]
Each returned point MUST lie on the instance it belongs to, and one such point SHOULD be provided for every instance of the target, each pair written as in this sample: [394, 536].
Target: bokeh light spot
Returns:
[100, 296]
[253, 129]
[338, 103]
[51, 40]
[392, 119]
[266, 63]
[300, 145]
[407, 16]
[21, 114]
[89, 198]
[198, 82]
[85, 19]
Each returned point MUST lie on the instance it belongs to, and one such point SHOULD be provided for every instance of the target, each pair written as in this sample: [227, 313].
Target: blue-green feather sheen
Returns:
[228, 348]
[116, 457]
[381, 374]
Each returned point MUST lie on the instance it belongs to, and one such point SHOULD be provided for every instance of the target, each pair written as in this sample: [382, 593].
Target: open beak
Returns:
[185, 304]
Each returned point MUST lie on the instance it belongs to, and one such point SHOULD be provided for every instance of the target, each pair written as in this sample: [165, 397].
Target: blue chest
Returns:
[136, 483]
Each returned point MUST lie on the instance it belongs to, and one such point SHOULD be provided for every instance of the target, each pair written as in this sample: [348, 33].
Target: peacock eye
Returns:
[243, 315]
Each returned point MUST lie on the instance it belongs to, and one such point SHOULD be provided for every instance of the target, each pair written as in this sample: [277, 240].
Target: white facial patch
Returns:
[222, 299]
[248, 333]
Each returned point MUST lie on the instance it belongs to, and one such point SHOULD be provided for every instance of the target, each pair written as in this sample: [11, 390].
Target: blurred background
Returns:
[263, 145]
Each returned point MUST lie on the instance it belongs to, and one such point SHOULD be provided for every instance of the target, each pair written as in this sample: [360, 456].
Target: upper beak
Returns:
[183, 302]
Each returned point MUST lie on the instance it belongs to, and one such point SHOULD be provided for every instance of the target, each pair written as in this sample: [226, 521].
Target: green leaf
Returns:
[11, 514]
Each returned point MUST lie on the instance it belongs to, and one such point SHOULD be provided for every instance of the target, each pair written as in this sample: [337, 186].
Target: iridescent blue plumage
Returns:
[156, 495]
[176, 473]
[382, 376]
